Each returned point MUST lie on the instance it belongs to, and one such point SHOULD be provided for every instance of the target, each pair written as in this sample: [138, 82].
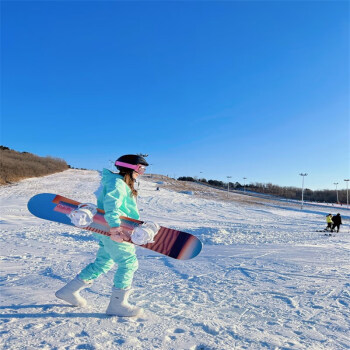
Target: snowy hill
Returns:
[264, 280]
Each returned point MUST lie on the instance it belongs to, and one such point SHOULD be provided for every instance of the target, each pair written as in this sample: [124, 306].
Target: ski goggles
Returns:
[140, 169]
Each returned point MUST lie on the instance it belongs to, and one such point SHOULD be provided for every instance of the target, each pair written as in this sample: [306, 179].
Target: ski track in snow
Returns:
[264, 280]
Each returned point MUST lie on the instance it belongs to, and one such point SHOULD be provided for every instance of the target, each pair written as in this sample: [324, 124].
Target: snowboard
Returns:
[173, 243]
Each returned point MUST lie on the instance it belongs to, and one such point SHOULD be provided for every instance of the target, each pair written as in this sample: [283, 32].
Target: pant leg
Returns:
[124, 255]
[102, 264]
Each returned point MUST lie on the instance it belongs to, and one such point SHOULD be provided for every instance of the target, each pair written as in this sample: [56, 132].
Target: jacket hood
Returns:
[108, 176]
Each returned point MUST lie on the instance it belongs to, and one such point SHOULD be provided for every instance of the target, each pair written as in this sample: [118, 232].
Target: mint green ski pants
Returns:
[109, 253]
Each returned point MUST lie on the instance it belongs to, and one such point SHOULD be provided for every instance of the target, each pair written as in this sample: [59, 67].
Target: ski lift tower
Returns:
[302, 191]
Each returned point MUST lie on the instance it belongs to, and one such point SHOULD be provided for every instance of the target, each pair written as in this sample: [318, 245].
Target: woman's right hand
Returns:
[118, 235]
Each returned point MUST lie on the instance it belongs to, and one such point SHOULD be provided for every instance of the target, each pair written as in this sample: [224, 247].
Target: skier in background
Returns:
[329, 222]
[118, 198]
[336, 222]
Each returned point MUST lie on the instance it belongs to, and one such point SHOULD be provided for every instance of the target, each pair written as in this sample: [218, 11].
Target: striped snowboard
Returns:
[173, 243]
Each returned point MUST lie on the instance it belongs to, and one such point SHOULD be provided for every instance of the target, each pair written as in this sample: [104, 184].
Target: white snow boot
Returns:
[70, 292]
[119, 306]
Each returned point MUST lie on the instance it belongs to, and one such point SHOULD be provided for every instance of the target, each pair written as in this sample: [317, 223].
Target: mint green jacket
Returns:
[116, 199]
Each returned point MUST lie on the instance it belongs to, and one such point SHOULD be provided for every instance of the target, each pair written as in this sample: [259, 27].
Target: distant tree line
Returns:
[328, 196]
[15, 166]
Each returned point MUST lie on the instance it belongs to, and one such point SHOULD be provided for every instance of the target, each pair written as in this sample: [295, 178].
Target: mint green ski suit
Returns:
[116, 200]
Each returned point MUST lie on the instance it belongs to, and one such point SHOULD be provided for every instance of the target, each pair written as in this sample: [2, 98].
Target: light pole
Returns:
[149, 169]
[201, 172]
[228, 184]
[302, 191]
[347, 192]
[336, 189]
[244, 183]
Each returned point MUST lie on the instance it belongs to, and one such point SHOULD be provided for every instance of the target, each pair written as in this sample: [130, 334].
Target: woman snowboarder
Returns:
[118, 198]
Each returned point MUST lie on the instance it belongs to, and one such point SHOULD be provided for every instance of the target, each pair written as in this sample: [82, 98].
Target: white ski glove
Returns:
[145, 233]
[83, 215]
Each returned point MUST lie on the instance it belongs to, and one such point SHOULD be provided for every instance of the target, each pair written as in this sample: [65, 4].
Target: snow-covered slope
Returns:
[264, 280]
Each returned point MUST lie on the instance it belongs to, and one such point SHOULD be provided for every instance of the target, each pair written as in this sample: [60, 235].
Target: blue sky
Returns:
[212, 89]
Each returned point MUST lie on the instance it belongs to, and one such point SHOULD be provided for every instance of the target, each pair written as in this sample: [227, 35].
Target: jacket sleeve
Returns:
[113, 201]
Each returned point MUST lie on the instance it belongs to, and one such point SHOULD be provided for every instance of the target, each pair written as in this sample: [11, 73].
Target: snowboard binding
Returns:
[83, 216]
[145, 233]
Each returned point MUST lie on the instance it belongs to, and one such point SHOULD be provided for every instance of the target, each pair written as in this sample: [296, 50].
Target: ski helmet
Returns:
[129, 162]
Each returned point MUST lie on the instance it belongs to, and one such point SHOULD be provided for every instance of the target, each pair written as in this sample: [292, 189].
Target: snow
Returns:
[264, 280]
